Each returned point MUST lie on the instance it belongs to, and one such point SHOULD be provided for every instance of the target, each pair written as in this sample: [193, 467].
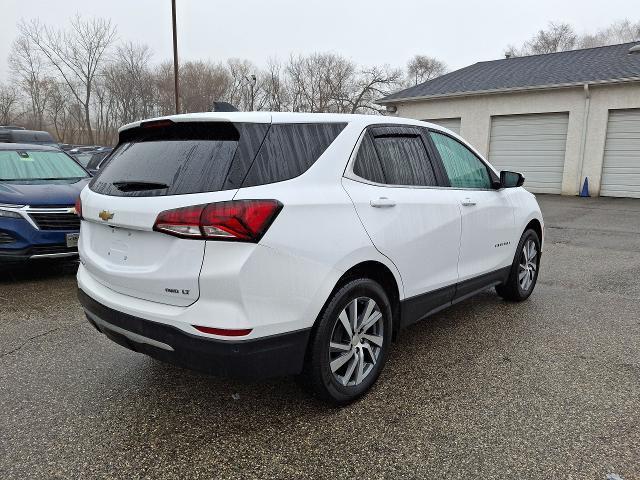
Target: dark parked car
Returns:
[98, 159]
[90, 157]
[77, 149]
[39, 186]
[34, 137]
[83, 158]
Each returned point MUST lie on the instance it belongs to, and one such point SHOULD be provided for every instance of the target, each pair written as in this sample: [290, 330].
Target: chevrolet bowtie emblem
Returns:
[105, 215]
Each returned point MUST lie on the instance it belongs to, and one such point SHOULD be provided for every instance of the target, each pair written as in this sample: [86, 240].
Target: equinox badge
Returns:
[105, 215]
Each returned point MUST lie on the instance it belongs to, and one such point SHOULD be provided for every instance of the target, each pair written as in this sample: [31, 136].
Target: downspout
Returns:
[583, 141]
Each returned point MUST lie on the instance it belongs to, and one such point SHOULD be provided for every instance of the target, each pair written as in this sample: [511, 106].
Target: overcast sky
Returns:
[369, 32]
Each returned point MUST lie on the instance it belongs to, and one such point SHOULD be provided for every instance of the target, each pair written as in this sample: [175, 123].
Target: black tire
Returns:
[512, 289]
[318, 372]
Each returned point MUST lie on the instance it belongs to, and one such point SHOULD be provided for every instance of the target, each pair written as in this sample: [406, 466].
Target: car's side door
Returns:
[487, 214]
[395, 189]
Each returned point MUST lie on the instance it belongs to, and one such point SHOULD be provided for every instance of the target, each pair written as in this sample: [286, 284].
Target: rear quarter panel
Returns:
[317, 237]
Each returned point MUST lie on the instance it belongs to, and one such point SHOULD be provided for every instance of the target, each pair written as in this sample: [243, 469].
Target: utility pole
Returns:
[175, 55]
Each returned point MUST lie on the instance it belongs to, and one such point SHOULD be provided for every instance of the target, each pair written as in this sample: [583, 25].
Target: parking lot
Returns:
[549, 388]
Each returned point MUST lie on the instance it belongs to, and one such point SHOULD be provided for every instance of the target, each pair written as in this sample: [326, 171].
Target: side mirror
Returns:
[511, 179]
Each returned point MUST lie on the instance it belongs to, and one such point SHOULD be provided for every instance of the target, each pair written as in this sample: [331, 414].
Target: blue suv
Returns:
[39, 186]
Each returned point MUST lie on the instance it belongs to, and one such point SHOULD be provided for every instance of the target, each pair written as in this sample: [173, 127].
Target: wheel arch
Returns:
[382, 274]
[536, 226]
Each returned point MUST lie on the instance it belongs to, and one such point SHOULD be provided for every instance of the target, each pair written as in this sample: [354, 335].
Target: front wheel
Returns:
[524, 270]
[351, 342]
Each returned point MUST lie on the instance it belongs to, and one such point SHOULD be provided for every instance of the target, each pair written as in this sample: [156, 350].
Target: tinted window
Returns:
[463, 168]
[38, 165]
[289, 150]
[96, 158]
[404, 160]
[83, 158]
[367, 165]
[179, 159]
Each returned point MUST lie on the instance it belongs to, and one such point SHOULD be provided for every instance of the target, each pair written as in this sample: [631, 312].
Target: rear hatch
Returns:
[160, 166]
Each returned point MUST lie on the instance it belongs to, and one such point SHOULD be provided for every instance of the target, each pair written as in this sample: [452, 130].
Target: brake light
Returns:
[224, 332]
[156, 123]
[78, 207]
[235, 220]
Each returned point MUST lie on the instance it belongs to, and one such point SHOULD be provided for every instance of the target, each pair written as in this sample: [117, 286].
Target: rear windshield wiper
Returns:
[138, 185]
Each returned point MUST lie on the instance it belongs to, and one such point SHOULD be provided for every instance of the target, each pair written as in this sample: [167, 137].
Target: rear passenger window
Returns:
[404, 160]
[463, 168]
[289, 150]
[367, 165]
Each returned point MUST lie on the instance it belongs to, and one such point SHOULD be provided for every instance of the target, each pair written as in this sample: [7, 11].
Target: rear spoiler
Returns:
[223, 107]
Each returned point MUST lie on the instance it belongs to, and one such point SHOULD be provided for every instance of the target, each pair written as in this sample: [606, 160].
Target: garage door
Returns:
[621, 168]
[452, 124]
[533, 145]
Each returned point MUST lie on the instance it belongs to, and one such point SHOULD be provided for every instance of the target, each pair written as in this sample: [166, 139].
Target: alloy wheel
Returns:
[528, 265]
[356, 341]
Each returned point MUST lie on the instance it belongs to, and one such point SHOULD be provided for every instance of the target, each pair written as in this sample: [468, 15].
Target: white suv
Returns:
[260, 244]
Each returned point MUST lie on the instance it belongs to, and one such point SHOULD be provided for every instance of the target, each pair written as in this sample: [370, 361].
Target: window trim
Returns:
[351, 175]
[493, 177]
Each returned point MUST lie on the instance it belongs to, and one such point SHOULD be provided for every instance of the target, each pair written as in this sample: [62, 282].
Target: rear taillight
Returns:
[236, 220]
[78, 207]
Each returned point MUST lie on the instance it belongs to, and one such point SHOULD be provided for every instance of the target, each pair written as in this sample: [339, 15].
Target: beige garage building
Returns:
[557, 118]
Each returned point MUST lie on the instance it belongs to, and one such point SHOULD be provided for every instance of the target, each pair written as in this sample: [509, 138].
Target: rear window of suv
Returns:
[196, 157]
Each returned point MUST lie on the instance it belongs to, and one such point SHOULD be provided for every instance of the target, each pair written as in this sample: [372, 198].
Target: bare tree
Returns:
[8, 104]
[274, 92]
[561, 36]
[202, 83]
[622, 31]
[373, 83]
[422, 68]
[241, 89]
[76, 54]
[106, 116]
[129, 84]
[163, 87]
[28, 71]
[58, 112]
[556, 38]
[320, 82]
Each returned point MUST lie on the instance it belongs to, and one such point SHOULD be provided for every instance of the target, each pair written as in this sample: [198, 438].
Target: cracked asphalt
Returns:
[549, 388]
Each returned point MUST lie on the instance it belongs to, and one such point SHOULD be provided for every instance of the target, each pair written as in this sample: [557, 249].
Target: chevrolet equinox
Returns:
[261, 244]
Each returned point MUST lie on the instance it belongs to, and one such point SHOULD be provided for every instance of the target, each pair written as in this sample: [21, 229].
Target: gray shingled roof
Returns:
[600, 64]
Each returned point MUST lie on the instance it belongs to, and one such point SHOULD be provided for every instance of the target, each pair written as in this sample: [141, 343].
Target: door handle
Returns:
[382, 202]
[467, 202]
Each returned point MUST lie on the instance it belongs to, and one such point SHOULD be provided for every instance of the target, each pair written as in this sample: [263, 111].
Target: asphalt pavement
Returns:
[546, 389]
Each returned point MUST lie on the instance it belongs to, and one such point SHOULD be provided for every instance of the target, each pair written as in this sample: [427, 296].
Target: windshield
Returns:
[38, 165]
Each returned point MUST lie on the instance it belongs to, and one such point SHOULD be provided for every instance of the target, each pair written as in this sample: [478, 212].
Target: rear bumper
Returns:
[275, 355]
